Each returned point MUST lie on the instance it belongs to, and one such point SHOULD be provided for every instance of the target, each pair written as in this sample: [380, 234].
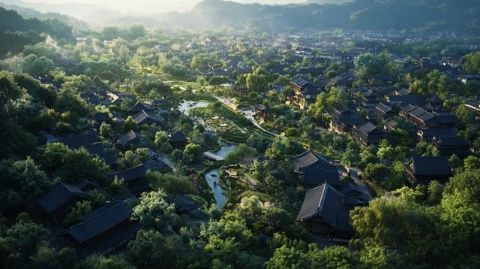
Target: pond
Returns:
[186, 106]
[213, 180]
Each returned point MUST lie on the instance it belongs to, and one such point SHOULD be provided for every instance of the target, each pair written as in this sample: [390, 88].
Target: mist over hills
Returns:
[380, 15]
[435, 15]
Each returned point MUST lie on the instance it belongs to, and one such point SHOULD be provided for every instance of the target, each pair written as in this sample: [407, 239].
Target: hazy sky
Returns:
[153, 6]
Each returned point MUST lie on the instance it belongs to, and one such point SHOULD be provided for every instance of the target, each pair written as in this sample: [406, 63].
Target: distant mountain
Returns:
[416, 15]
[29, 13]
[92, 13]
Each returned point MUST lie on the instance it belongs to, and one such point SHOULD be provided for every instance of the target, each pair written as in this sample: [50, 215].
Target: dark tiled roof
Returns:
[157, 165]
[143, 117]
[437, 132]
[445, 119]
[131, 173]
[127, 138]
[411, 99]
[83, 140]
[58, 196]
[100, 221]
[299, 82]
[327, 204]
[456, 141]
[315, 169]
[139, 106]
[367, 128]
[99, 150]
[382, 108]
[431, 166]
[347, 117]
[184, 204]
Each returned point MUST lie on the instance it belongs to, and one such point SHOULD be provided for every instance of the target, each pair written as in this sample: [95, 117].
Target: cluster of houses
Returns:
[327, 203]
[111, 225]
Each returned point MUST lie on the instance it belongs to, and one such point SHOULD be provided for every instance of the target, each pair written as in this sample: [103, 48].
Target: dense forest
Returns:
[124, 147]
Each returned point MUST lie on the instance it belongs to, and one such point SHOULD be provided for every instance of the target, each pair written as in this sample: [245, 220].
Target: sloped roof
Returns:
[300, 82]
[327, 204]
[99, 150]
[127, 138]
[184, 204]
[139, 106]
[431, 166]
[347, 116]
[58, 196]
[438, 132]
[142, 116]
[445, 118]
[383, 108]
[304, 160]
[83, 140]
[367, 128]
[315, 169]
[100, 221]
[410, 99]
[448, 141]
[130, 174]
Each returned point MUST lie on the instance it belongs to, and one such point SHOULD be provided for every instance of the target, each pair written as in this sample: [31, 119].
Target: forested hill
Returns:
[16, 32]
[434, 15]
[28, 13]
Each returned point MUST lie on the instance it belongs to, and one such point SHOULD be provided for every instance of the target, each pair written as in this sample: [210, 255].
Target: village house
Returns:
[405, 100]
[57, 202]
[324, 212]
[369, 98]
[99, 150]
[368, 134]
[343, 120]
[434, 133]
[314, 169]
[422, 170]
[390, 126]
[134, 178]
[449, 145]
[103, 230]
[128, 139]
[354, 195]
[78, 141]
[184, 204]
[424, 119]
[433, 103]
[383, 111]
[342, 81]
[304, 93]
[145, 118]
[139, 107]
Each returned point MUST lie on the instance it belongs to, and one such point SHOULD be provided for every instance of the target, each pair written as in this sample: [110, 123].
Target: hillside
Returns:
[433, 15]
[20, 31]
[29, 13]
